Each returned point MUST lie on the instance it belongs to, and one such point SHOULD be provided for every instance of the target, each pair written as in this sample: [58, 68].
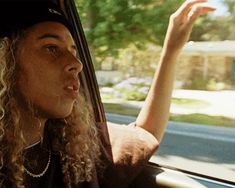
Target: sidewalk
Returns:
[220, 103]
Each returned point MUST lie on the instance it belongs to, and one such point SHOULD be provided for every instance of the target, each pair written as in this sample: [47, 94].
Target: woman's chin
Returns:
[59, 114]
[65, 114]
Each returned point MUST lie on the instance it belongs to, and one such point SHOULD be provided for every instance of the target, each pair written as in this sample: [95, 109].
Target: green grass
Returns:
[189, 102]
[177, 101]
[123, 109]
[203, 119]
[120, 109]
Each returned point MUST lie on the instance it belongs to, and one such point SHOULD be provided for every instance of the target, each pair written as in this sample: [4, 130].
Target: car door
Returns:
[153, 174]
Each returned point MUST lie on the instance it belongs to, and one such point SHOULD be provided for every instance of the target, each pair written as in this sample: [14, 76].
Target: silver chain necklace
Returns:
[43, 172]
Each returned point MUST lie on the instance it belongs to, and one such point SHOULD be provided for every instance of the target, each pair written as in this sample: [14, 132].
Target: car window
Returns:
[125, 40]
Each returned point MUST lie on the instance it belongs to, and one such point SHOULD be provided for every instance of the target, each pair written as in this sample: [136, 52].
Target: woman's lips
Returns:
[72, 88]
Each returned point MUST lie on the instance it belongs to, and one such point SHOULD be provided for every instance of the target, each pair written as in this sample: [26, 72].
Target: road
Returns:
[205, 149]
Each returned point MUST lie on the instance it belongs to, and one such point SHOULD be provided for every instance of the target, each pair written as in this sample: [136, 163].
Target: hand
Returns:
[181, 23]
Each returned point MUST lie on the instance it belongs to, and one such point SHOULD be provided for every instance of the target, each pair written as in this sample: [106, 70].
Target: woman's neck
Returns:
[32, 128]
[32, 123]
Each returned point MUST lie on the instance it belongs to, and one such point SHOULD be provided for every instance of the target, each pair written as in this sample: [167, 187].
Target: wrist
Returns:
[170, 54]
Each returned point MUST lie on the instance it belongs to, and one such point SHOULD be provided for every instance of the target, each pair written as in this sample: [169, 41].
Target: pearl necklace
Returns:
[43, 172]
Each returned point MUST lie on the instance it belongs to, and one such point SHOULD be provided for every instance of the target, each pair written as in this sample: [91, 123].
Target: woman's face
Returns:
[49, 68]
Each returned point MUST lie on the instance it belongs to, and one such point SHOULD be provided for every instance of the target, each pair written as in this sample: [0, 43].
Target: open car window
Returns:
[125, 40]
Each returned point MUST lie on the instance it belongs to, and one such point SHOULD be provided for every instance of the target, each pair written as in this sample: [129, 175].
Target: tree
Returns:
[216, 27]
[211, 29]
[111, 25]
[231, 9]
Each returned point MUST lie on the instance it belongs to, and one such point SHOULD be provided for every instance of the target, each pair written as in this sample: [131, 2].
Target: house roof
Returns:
[219, 48]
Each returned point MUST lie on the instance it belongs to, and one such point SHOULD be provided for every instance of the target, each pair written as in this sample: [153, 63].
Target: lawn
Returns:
[124, 109]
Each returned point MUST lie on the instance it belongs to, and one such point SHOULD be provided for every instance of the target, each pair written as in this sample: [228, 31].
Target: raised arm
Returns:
[154, 115]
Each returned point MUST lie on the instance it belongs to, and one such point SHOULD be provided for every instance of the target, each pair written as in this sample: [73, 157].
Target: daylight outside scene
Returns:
[125, 39]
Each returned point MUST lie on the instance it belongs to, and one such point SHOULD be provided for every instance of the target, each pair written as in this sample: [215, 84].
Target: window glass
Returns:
[125, 40]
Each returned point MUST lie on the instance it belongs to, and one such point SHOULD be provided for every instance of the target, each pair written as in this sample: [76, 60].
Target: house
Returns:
[200, 64]
[208, 60]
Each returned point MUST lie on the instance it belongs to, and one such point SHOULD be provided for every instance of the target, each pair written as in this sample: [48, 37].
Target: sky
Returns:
[221, 9]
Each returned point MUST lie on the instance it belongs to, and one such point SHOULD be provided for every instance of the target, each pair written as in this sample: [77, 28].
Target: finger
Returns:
[199, 10]
[187, 5]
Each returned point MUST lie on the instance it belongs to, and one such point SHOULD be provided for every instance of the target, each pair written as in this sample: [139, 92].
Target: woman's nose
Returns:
[75, 66]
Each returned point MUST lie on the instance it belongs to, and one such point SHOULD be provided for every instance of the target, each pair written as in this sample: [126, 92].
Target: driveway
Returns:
[218, 103]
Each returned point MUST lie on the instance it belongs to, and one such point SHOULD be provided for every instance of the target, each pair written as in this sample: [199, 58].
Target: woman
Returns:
[47, 133]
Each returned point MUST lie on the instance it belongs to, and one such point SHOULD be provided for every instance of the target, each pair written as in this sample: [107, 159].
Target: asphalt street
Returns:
[203, 149]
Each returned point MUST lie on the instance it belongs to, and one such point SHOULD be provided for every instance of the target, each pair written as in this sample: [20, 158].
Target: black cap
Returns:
[20, 14]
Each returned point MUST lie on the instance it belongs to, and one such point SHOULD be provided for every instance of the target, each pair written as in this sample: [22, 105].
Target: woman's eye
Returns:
[52, 49]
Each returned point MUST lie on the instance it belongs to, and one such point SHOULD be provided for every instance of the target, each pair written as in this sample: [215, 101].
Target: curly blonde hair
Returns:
[74, 137]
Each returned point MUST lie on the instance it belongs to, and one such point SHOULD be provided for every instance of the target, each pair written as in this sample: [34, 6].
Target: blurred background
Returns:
[125, 38]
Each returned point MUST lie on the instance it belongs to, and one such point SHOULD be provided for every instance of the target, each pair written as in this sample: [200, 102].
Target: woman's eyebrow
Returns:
[57, 37]
[48, 35]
